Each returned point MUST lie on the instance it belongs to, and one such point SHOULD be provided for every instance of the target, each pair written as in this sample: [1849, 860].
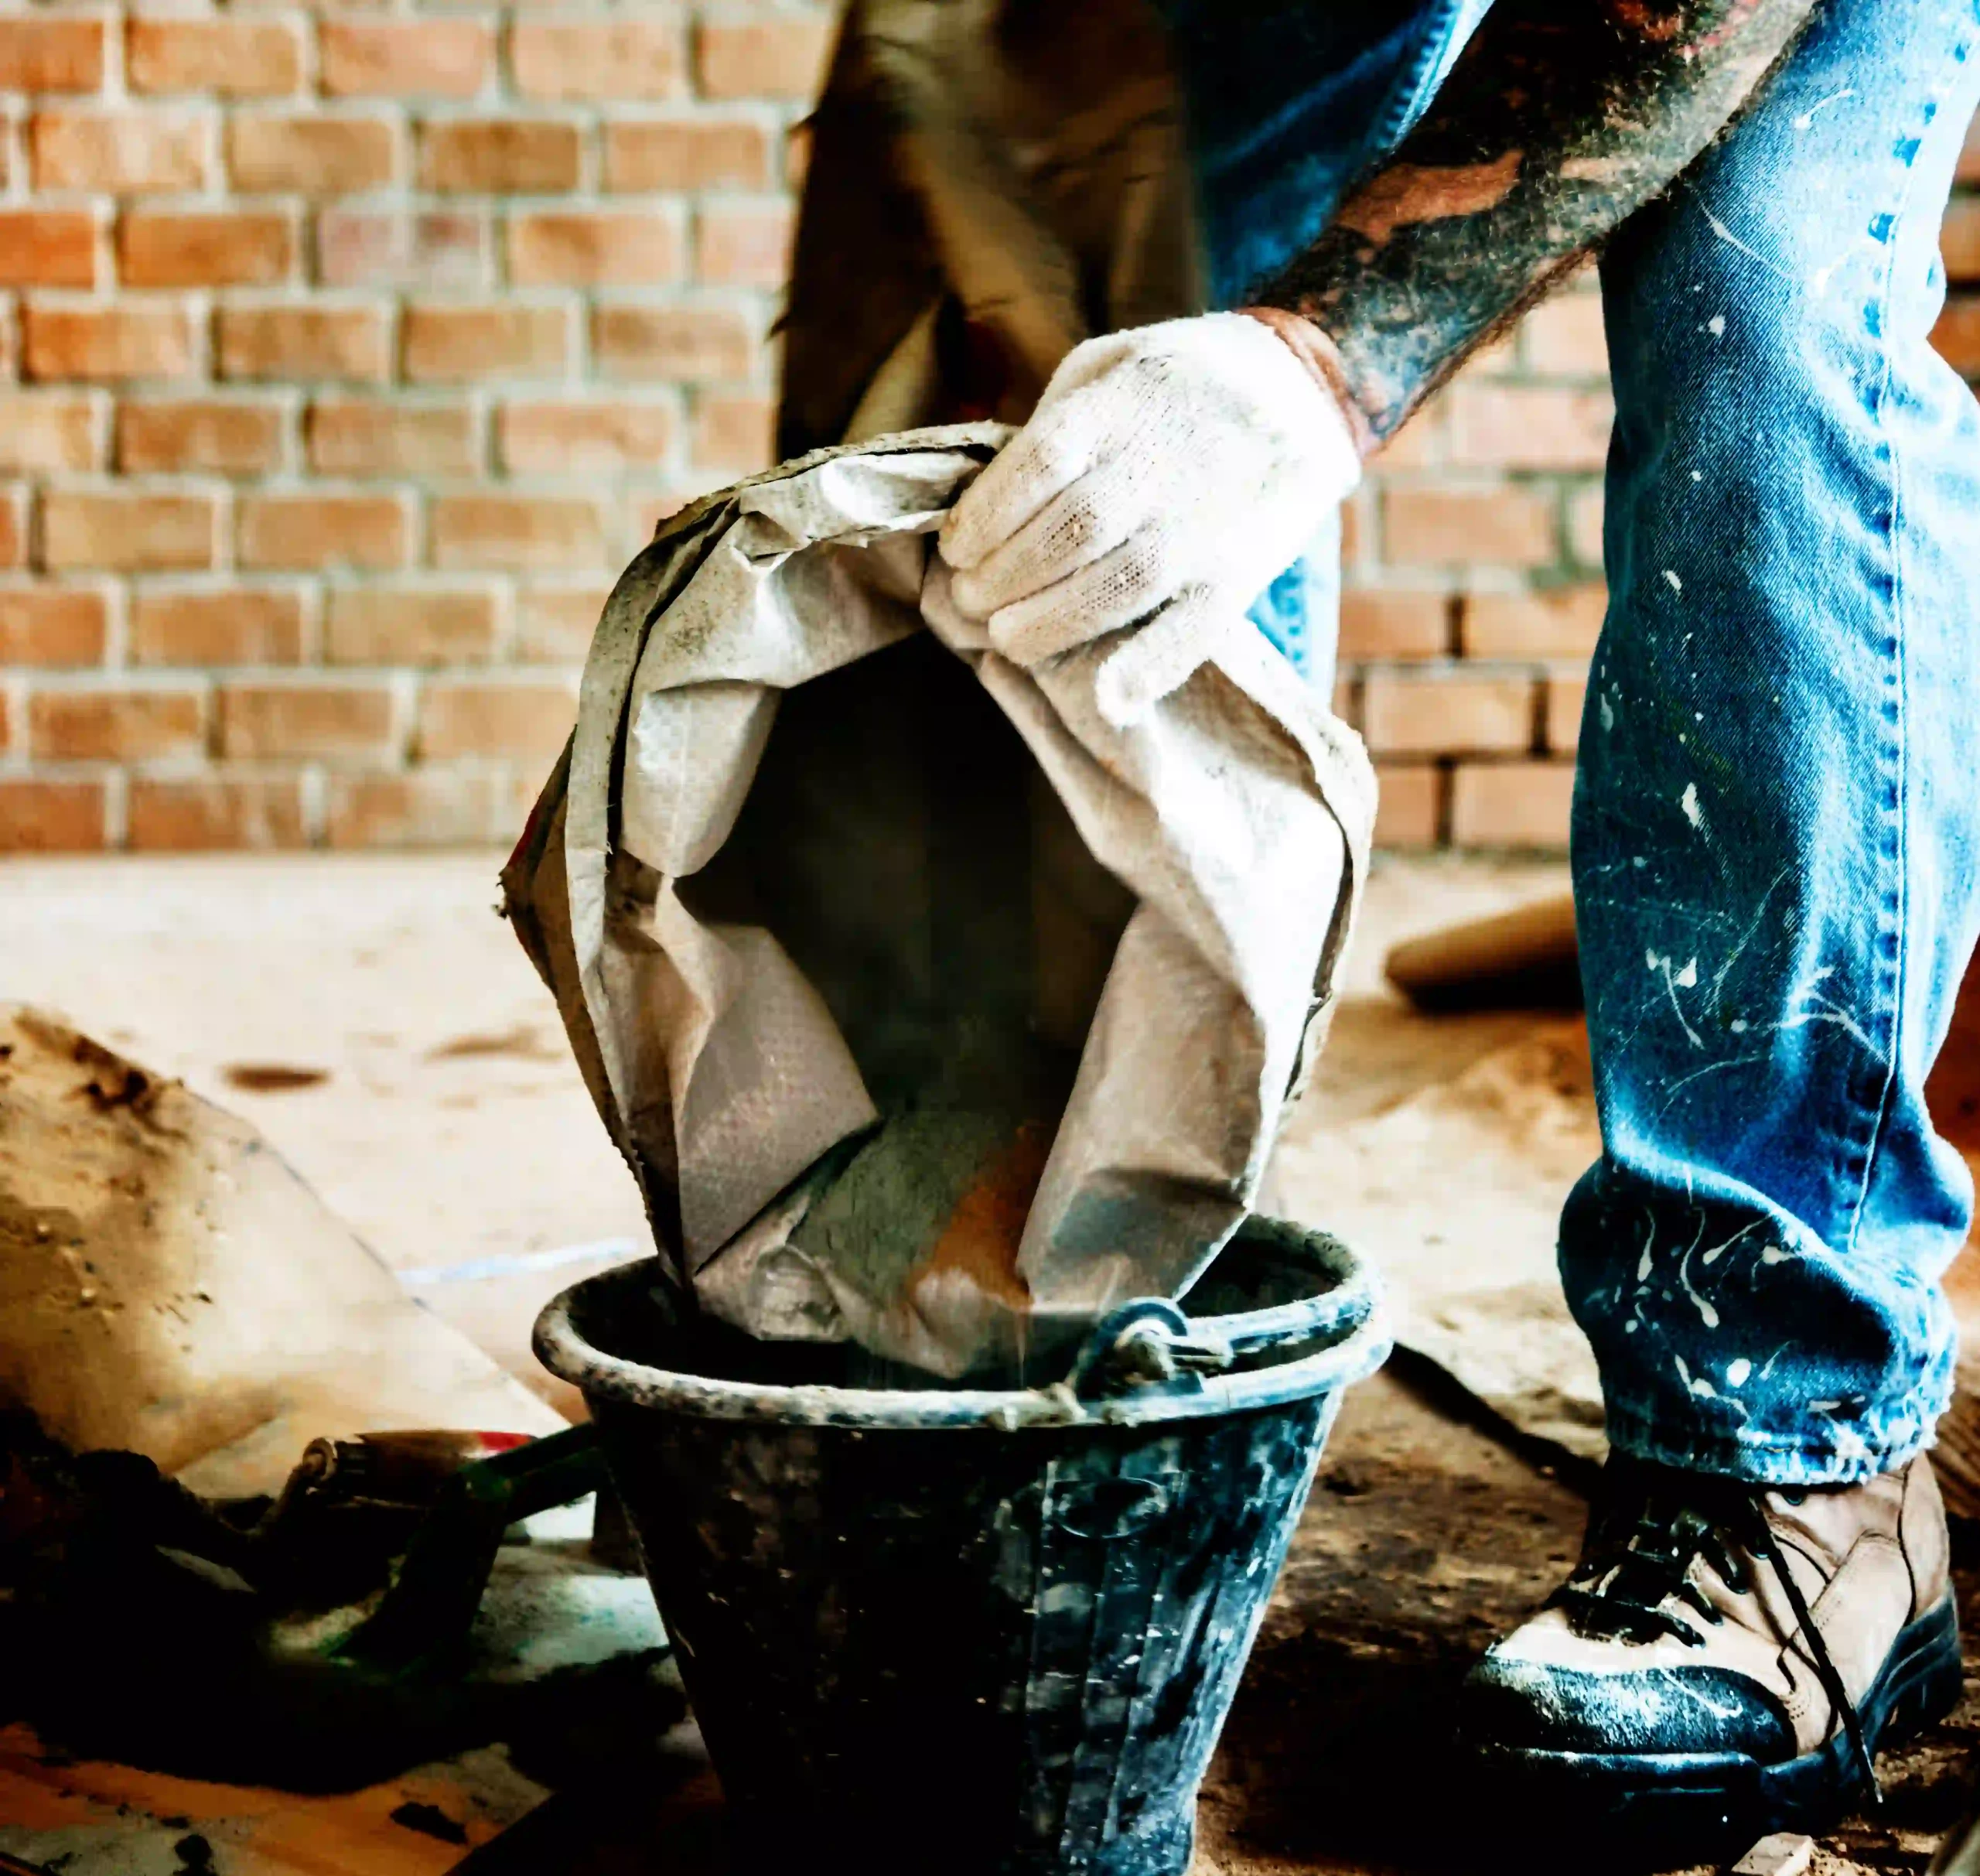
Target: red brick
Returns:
[286, 342]
[47, 626]
[1969, 155]
[390, 625]
[1556, 622]
[1959, 239]
[1421, 443]
[554, 625]
[401, 58]
[238, 58]
[51, 817]
[562, 438]
[102, 725]
[590, 247]
[425, 808]
[743, 244]
[221, 435]
[1382, 623]
[48, 247]
[1585, 525]
[125, 529]
[642, 57]
[13, 528]
[1498, 359]
[648, 508]
[528, 719]
[46, 430]
[215, 813]
[1511, 805]
[367, 437]
[1410, 805]
[1421, 713]
[499, 156]
[1434, 526]
[126, 152]
[1528, 426]
[269, 154]
[44, 54]
[379, 248]
[1957, 335]
[1346, 701]
[682, 344]
[1358, 529]
[1564, 338]
[320, 530]
[463, 344]
[686, 153]
[734, 433]
[518, 532]
[307, 719]
[235, 625]
[106, 342]
[1566, 693]
[781, 56]
[255, 248]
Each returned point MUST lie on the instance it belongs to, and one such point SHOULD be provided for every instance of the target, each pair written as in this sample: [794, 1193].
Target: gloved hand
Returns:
[1167, 477]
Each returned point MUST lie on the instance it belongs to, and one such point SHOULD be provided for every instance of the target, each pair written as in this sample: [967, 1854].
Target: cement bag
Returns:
[932, 1006]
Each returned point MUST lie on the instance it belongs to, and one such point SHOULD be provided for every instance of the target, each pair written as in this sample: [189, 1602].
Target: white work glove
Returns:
[1168, 476]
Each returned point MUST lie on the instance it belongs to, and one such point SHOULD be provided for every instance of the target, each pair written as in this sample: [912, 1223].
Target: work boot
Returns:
[1725, 1658]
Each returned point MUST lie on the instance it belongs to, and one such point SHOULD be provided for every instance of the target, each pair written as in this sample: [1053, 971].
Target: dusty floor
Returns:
[379, 1023]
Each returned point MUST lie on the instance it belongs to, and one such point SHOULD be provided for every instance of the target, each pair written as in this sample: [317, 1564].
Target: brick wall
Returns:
[347, 351]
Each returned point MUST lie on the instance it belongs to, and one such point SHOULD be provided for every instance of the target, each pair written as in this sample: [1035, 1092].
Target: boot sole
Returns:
[1686, 1798]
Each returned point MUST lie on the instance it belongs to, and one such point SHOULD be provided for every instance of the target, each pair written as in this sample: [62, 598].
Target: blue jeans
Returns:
[1777, 821]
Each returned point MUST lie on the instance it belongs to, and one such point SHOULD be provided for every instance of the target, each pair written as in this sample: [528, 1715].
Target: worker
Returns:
[1775, 819]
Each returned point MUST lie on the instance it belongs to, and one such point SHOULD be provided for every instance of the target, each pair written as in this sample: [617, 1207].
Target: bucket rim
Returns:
[1357, 1353]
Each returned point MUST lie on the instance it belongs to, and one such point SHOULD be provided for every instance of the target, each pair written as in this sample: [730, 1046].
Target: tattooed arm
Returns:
[1169, 471]
[1562, 117]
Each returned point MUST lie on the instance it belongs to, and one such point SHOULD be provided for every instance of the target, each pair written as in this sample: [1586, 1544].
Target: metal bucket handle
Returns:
[1148, 1342]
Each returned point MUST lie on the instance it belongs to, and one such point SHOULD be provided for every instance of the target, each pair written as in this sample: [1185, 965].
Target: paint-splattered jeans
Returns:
[1777, 824]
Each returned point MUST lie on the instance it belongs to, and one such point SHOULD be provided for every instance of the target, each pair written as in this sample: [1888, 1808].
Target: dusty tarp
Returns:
[904, 900]
[169, 1287]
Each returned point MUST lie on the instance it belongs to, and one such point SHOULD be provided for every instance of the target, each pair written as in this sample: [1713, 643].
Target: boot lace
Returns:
[1650, 1524]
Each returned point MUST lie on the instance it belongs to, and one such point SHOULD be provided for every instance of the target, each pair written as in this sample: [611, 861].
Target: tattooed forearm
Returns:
[1562, 117]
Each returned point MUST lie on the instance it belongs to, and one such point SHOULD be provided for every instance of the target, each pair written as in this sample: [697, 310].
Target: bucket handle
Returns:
[1147, 1342]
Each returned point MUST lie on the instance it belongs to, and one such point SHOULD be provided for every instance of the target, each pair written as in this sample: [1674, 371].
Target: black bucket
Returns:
[966, 1630]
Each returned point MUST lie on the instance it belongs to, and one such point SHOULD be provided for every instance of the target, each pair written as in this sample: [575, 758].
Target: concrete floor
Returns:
[437, 1110]
[377, 1020]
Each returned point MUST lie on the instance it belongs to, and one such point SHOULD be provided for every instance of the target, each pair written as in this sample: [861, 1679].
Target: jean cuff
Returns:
[1842, 1450]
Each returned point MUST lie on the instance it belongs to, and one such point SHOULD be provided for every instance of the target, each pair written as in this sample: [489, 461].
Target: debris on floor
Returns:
[1430, 1529]
[1784, 1853]
[235, 1456]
